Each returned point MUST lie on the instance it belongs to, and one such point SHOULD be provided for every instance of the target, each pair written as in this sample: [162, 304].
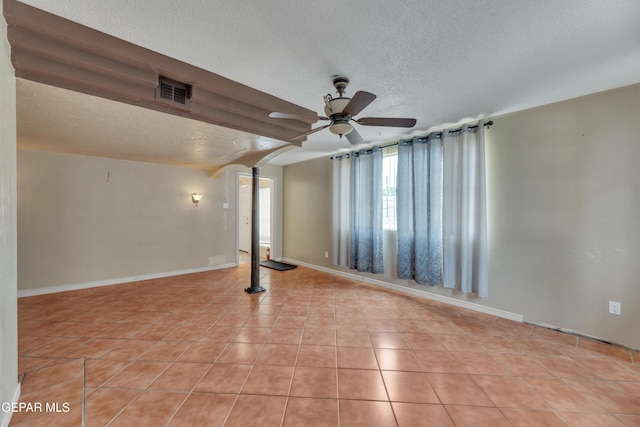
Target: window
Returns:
[389, 165]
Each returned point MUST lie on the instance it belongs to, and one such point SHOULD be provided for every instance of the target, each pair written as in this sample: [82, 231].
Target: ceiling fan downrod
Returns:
[340, 83]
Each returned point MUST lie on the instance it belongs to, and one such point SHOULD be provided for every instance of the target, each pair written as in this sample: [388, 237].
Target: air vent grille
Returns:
[173, 92]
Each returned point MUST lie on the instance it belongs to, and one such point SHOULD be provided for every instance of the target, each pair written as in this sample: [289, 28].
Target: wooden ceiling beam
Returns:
[55, 51]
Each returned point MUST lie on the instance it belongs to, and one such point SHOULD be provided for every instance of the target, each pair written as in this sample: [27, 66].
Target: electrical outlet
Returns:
[615, 308]
[326, 254]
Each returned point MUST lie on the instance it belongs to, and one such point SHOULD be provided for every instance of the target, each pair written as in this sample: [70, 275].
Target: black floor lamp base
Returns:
[255, 290]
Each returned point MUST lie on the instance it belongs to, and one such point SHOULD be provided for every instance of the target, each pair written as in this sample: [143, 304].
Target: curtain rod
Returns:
[487, 124]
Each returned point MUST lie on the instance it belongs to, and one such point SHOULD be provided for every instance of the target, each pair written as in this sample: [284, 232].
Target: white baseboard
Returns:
[117, 281]
[5, 417]
[415, 292]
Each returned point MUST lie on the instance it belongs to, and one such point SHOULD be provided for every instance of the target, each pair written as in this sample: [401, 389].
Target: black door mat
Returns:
[276, 265]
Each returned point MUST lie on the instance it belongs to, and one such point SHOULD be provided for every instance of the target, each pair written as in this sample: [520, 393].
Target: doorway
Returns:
[266, 185]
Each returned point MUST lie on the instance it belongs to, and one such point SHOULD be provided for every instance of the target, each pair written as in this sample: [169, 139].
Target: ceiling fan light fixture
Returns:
[341, 128]
[335, 105]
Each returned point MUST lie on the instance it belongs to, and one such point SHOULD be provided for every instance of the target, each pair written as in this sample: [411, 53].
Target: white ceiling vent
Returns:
[173, 92]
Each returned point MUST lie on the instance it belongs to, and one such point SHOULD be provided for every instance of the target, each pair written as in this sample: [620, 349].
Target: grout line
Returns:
[226, 418]
[124, 408]
[173, 414]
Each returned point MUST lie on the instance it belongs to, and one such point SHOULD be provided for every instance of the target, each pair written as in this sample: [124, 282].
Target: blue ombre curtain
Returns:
[365, 246]
[419, 209]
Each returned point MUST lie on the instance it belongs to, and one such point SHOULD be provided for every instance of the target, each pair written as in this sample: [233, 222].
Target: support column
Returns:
[255, 233]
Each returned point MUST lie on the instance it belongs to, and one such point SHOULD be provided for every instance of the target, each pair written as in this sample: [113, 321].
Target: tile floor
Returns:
[314, 350]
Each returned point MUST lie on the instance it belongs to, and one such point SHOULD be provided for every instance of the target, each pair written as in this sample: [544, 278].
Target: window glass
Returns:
[389, 164]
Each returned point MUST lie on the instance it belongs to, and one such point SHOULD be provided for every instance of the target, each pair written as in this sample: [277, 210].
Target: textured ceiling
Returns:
[441, 62]
[72, 126]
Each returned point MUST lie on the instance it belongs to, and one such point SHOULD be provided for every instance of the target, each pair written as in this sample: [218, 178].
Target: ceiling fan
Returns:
[340, 111]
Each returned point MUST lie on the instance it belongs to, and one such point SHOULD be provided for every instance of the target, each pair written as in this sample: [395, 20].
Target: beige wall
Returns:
[564, 215]
[307, 211]
[8, 251]
[87, 220]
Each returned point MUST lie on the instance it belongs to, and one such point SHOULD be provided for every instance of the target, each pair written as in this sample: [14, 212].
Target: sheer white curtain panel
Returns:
[465, 211]
[341, 209]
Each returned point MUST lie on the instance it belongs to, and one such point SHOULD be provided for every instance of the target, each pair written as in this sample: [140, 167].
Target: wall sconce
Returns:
[195, 198]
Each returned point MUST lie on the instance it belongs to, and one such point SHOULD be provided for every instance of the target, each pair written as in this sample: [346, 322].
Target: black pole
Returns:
[255, 233]
[487, 125]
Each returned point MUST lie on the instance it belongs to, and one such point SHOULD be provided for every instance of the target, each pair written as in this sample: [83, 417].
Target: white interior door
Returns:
[244, 218]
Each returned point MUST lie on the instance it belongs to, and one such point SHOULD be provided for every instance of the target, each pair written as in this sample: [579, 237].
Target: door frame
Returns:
[272, 216]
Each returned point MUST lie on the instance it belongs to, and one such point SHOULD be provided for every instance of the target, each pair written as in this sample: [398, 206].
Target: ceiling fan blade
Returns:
[359, 101]
[279, 115]
[302, 135]
[354, 137]
[386, 121]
